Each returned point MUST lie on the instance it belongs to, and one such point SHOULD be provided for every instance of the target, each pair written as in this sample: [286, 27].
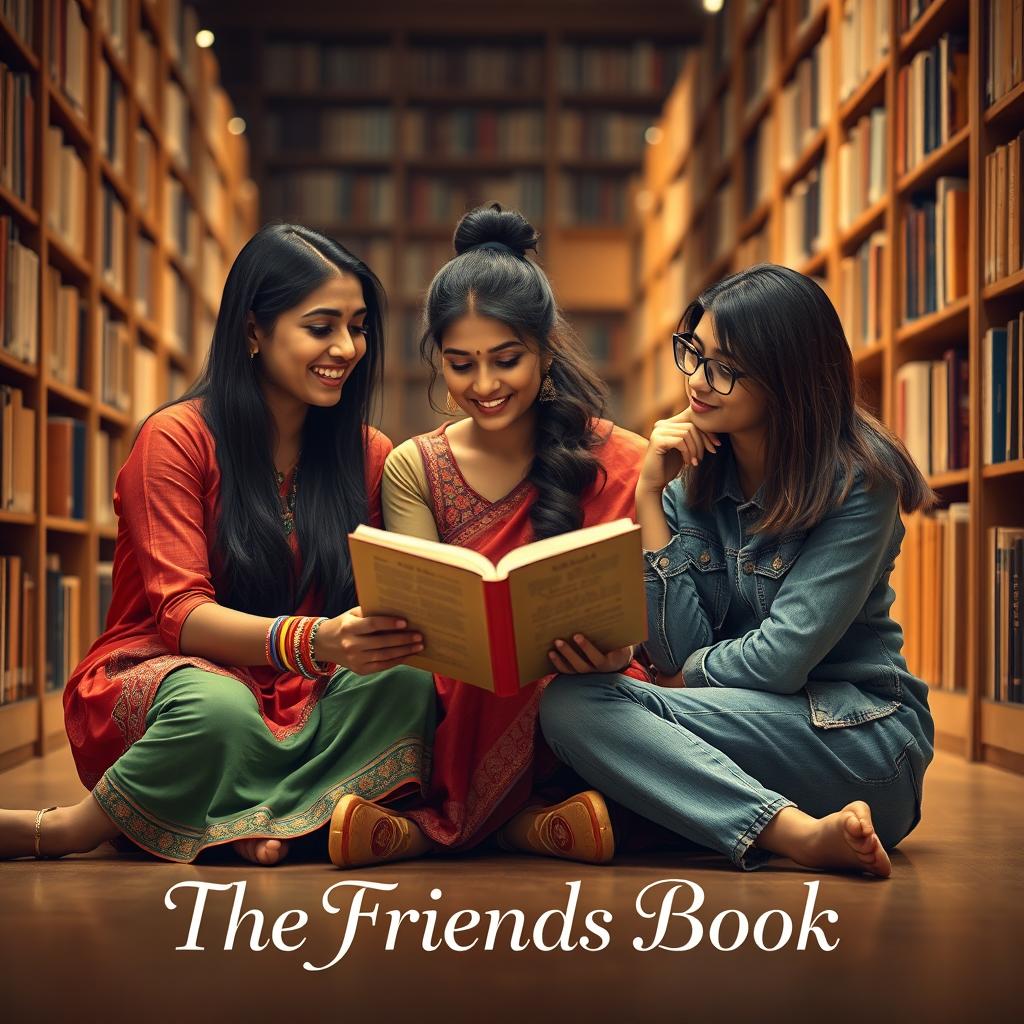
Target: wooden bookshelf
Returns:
[967, 720]
[34, 725]
[412, 78]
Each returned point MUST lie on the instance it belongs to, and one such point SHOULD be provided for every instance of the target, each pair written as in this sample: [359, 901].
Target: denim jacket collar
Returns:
[730, 487]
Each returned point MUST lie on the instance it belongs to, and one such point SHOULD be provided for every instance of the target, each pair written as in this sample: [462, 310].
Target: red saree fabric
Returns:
[487, 751]
[166, 499]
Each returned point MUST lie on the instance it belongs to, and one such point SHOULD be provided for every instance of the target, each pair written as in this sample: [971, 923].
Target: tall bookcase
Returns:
[167, 203]
[401, 126]
[713, 199]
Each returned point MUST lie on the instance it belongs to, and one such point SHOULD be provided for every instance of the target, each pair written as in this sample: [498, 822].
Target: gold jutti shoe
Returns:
[363, 833]
[579, 828]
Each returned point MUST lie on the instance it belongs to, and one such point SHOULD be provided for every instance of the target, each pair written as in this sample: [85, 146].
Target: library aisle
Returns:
[657, 145]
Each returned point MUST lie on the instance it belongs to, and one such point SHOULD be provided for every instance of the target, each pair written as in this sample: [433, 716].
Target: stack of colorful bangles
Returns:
[290, 646]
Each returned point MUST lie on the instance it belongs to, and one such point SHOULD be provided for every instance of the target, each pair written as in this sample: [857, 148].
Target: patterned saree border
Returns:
[493, 778]
[461, 514]
[405, 761]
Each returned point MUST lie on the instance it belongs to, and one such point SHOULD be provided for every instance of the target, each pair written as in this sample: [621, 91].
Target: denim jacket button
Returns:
[704, 557]
[748, 567]
[777, 563]
[663, 562]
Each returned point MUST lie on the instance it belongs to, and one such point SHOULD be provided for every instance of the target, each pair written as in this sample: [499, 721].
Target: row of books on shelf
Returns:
[805, 104]
[69, 52]
[805, 223]
[66, 190]
[474, 132]
[113, 107]
[1006, 630]
[1004, 48]
[17, 451]
[931, 100]
[177, 125]
[112, 16]
[68, 316]
[863, 42]
[62, 624]
[1002, 218]
[908, 11]
[20, 15]
[640, 67]
[113, 254]
[19, 294]
[932, 411]
[861, 290]
[930, 579]
[17, 630]
[315, 65]
[1002, 363]
[17, 133]
[463, 132]
[334, 131]
[933, 242]
[863, 156]
[592, 199]
[761, 58]
[442, 200]
[318, 196]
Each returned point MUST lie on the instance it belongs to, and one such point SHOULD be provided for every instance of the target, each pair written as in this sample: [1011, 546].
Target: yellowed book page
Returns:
[443, 602]
[597, 591]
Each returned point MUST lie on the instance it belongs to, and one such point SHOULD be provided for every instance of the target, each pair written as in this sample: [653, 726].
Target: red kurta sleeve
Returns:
[378, 447]
[159, 497]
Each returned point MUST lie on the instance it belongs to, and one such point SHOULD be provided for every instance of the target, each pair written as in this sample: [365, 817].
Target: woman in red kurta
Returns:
[234, 505]
[532, 459]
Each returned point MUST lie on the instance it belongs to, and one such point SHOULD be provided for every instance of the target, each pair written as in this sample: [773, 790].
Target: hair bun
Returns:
[491, 223]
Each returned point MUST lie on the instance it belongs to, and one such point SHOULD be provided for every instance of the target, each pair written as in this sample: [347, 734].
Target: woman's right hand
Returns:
[674, 443]
[366, 643]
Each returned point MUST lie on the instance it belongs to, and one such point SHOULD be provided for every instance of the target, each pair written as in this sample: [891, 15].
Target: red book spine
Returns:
[500, 632]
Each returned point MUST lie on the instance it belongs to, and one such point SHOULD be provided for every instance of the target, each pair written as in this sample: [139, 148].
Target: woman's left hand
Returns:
[581, 656]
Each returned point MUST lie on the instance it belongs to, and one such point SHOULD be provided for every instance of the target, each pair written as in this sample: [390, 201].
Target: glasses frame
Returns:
[685, 339]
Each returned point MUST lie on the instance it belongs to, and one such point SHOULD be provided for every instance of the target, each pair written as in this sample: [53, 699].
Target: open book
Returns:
[493, 625]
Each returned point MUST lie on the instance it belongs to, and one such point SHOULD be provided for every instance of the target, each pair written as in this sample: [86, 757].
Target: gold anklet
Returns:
[39, 828]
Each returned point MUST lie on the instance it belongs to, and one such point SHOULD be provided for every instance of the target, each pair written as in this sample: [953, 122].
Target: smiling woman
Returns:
[531, 459]
[236, 692]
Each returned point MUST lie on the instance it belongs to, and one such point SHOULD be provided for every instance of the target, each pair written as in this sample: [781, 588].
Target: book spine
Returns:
[502, 637]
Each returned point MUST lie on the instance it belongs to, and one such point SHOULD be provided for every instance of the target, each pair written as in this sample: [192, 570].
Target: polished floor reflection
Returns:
[939, 941]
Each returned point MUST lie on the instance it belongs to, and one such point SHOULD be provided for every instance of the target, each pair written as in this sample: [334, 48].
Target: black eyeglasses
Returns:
[720, 376]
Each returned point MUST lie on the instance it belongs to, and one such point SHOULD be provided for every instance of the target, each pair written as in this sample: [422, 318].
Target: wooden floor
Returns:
[940, 941]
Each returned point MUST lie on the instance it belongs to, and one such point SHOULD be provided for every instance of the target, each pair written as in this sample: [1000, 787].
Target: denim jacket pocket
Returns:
[772, 560]
[706, 554]
[838, 705]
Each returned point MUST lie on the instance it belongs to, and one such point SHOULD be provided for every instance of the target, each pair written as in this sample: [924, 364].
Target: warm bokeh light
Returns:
[713, 6]
[653, 135]
[236, 125]
[204, 38]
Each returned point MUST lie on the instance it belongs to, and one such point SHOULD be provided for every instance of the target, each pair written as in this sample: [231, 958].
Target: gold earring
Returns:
[451, 405]
[547, 390]
[253, 352]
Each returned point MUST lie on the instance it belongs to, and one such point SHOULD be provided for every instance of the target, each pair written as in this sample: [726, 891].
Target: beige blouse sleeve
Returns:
[405, 494]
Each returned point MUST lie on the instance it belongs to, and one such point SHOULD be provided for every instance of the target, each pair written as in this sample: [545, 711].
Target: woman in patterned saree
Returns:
[531, 459]
[202, 716]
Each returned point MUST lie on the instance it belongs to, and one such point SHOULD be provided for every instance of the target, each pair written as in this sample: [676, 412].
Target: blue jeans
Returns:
[715, 765]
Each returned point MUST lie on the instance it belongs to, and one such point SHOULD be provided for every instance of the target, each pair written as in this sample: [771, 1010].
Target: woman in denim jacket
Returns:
[794, 727]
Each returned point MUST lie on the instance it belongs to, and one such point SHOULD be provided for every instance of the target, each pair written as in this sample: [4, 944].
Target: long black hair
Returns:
[780, 327]
[497, 280]
[275, 270]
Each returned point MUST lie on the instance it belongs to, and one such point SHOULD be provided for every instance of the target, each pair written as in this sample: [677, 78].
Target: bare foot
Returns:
[266, 852]
[844, 841]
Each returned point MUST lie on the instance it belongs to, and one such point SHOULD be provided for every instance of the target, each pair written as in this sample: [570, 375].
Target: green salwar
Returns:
[208, 771]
